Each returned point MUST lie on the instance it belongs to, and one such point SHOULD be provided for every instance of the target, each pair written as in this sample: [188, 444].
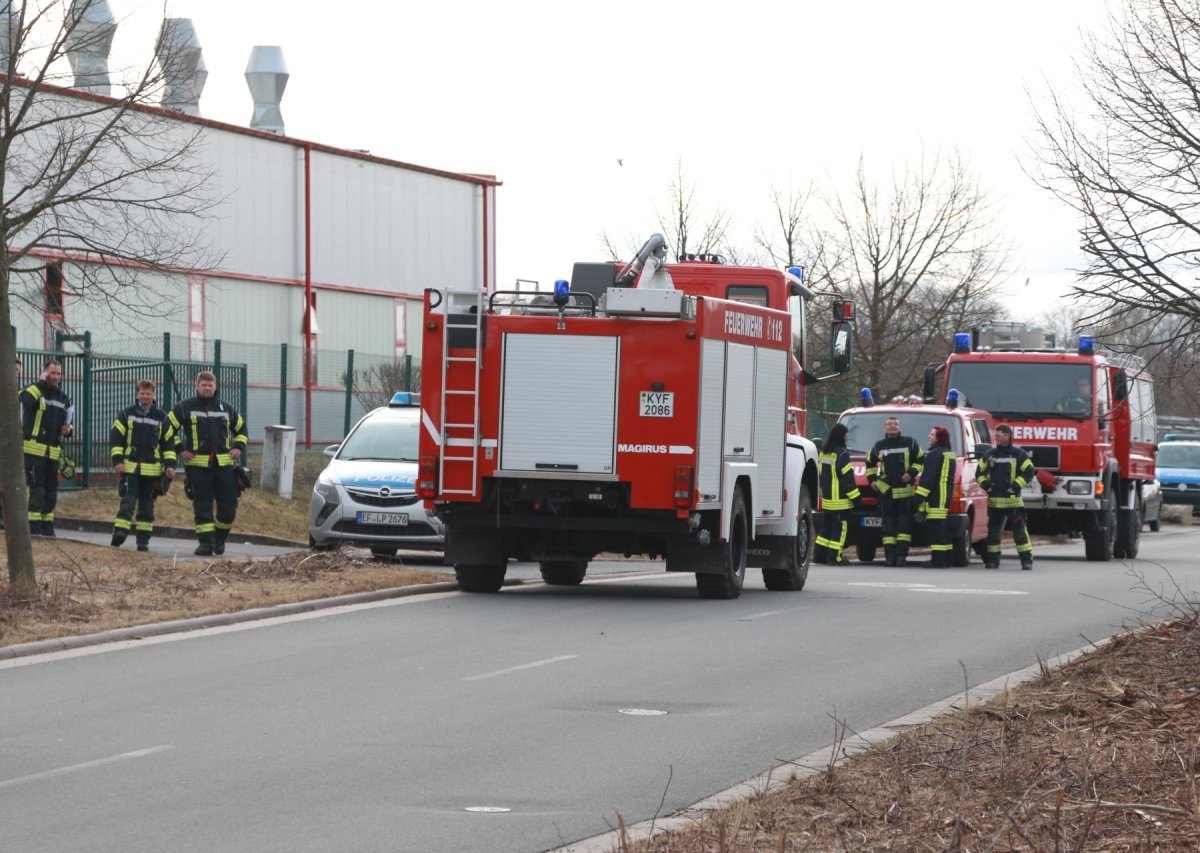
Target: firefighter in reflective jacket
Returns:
[892, 469]
[140, 451]
[46, 416]
[210, 437]
[934, 490]
[1003, 471]
[838, 495]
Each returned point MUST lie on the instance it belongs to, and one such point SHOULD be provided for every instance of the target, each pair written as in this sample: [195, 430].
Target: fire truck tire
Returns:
[563, 572]
[960, 551]
[865, 551]
[1099, 539]
[793, 578]
[1129, 533]
[486, 577]
[728, 582]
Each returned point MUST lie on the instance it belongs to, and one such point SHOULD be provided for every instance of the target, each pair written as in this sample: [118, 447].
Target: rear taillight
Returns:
[427, 477]
[683, 486]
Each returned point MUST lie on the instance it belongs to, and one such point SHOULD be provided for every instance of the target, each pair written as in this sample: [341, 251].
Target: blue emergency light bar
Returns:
[867, 399]
[962, 342]
[1087, 345]
[798, 272]
[952, 398]
[405, 398]
[562, 292]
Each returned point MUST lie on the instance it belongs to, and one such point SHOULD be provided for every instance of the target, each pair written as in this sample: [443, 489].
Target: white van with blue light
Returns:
[367, 496]
[1178, 466]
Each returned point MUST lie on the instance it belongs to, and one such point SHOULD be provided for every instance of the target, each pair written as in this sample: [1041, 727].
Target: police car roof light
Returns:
[1180, 436]
[962, 342]
[405, 398]
[867, 399]
[1087, 345]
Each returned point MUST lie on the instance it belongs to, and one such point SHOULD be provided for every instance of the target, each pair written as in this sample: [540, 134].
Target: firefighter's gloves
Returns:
[986, 485]
[921, 513]
[241, 476]
[880, 486]
[1015, 488]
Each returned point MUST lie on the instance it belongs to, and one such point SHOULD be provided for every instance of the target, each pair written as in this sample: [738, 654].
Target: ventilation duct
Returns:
[89, 43]
[182, 63]
[267, 77]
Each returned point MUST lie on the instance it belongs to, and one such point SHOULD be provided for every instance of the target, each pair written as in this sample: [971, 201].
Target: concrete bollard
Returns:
[279, 460]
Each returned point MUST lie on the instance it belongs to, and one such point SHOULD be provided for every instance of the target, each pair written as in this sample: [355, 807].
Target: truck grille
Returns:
[1044, 456]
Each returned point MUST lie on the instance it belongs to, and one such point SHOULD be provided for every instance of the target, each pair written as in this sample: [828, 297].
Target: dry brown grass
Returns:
[88, 588]
[1103, 754]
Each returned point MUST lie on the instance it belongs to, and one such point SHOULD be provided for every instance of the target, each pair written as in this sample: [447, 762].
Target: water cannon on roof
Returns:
[92, 26]
[182, 62]
[267, 77]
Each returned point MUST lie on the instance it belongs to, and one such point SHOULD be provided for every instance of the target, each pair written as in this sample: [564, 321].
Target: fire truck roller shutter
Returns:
[712, 416]
[770, 442]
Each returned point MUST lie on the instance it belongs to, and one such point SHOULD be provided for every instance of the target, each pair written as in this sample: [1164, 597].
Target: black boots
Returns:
[1026, 561]
[204, 549]
[889, 555]
[118, 539]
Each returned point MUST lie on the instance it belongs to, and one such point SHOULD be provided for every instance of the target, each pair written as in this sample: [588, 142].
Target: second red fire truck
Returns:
[652, 408]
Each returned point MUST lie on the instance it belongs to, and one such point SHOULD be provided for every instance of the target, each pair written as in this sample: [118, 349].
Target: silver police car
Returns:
[366, 496]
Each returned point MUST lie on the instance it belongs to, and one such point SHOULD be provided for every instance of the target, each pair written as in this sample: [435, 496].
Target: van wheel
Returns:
[795, 575]
[486, 577]
[563, 572]
[728, 582]
[960, 551]
[865, 551]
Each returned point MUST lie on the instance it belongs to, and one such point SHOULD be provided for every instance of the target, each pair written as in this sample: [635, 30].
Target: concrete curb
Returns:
[154, 629]
[94, 526]
[820, 761]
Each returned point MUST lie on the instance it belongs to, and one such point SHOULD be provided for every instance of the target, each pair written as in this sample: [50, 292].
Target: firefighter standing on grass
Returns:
[210, 437]
[937, 484]
[140, 452]
[1003, 472]
[46, 415]
[838, 495]
[892, 469]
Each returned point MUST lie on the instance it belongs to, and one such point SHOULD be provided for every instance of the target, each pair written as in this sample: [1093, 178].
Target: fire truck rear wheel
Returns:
[728, 582]
[1129, 532]
[793, 578]
[485, 577]
[563, 572]
[1100, 537]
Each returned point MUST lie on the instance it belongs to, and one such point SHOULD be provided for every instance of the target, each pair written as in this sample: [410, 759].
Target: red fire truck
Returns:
[1086, 417]
[650, 408]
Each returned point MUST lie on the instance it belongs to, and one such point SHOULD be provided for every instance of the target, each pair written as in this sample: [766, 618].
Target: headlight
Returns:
[1079, 487]
[328, 491]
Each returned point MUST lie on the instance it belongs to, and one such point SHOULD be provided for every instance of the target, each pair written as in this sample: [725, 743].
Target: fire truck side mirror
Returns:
[841, 346]
[1120, 385]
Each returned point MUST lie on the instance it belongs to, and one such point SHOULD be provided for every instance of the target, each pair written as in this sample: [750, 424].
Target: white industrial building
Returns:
[355, 237]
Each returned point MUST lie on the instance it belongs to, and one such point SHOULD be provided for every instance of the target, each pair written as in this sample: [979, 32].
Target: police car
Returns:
[366, 496]
[1178, 466]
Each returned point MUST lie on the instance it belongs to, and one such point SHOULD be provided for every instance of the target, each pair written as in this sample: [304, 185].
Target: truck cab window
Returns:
[751, 294]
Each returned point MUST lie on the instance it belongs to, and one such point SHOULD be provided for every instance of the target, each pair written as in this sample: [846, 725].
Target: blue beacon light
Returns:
[867, 399]
[562, 292]
[798, 272]
[962, 342]
[1087, 345]
[952, 398]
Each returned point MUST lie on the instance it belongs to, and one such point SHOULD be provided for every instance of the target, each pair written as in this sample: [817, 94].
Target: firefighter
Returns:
[140, 452]
[934, 490]
[1081, 401]
[892, 468]
[46, 419]
[210, 437]
[838, 496]
[1003, 471]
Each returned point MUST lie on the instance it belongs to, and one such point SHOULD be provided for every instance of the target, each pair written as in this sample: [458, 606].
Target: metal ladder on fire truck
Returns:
[463, 309]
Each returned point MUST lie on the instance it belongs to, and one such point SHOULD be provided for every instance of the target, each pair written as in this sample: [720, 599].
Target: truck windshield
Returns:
[866, 428]
[1010, 389]
[1178, 455]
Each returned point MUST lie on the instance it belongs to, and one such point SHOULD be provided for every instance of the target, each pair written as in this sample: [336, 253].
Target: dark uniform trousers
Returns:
[896, 524]
[41, 475]
[139, 492]
[1014, 519]
[832, 539]
[207, 484]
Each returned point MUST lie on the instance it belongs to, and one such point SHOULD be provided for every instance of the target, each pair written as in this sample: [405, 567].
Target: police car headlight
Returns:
[1079, 487]
[328, 491]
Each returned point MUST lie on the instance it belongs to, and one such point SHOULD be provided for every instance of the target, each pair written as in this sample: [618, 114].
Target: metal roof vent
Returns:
[267, 77]
[89, 43]
[182, 61]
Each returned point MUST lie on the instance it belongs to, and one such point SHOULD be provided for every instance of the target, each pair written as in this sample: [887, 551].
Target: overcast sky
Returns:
[583, 110]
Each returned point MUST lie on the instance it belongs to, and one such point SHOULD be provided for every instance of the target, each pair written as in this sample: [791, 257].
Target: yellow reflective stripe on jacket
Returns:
[36, 448]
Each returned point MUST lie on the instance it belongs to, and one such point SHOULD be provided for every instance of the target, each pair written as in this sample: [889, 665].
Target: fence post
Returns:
[283, 377]
[217, 359]
[168, 374]
[87, 407]
[407, 372]
[349, 388]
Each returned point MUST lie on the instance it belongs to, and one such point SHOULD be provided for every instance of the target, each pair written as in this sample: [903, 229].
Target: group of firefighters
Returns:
[147, 443]
[914, 486]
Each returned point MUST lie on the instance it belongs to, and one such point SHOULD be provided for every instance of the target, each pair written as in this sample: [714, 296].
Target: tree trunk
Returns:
[21, 577]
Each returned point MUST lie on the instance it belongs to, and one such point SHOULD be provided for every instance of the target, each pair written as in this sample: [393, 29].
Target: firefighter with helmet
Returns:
[1003, 472]
[893, 466]
[839, 493]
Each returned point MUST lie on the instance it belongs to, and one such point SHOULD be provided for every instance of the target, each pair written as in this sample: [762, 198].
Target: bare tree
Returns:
[1127, 159]
[787, 241]
[96, 182]
[921, 258]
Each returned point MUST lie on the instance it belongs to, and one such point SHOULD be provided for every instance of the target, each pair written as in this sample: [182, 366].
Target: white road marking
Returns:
[975, 591]
[896, 585]
[519, 668]
[87, 765]
[765, 614]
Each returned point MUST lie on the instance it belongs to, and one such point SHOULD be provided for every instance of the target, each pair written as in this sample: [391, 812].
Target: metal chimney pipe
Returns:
[89, 44]
[267, 77]
[182, 61]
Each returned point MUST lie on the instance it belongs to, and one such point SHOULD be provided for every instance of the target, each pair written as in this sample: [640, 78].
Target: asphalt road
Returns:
[454, 722]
